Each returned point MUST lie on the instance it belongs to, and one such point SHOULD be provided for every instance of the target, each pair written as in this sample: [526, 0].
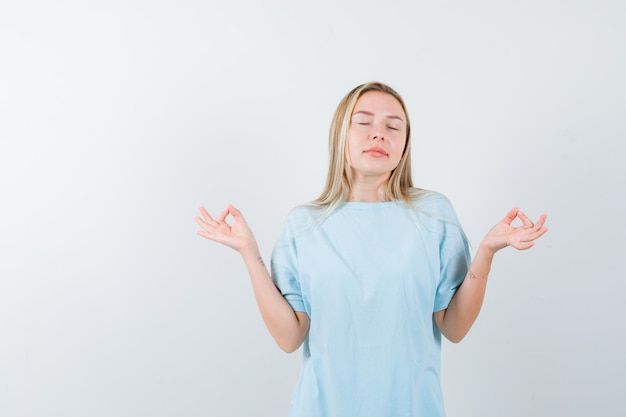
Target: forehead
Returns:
[378, 102]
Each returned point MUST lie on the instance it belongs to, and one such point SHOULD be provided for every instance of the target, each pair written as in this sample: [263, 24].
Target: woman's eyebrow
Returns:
[367, 113]
[393, 116]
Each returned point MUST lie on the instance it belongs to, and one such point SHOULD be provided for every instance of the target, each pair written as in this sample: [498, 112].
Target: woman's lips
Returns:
[376, 152]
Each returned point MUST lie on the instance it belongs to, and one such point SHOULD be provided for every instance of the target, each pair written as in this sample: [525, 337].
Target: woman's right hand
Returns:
[238, 236]
[287, 327]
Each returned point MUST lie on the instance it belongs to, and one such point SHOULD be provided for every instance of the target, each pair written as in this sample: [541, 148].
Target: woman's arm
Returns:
[455, 321]
[288, 328]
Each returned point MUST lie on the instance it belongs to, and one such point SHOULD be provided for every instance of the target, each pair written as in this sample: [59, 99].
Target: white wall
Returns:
[118, 119]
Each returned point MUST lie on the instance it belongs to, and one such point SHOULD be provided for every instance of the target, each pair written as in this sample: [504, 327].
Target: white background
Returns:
[119, 118]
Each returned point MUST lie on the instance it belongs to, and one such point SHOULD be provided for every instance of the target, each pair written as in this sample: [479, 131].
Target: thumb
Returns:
[235, 213]
[510, 216]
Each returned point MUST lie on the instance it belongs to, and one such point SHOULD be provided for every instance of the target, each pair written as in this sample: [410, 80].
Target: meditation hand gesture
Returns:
[521, 238]
[238, 236]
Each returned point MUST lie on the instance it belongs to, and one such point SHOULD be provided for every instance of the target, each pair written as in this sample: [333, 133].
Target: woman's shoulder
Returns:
[303, 216]
[434, 204]
[304, 211]
[423, 197]
[300, 221]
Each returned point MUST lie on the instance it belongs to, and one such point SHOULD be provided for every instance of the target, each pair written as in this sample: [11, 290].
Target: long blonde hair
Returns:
[338, 184]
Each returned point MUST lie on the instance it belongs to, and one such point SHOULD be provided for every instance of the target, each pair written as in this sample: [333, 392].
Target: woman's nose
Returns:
[377, 133]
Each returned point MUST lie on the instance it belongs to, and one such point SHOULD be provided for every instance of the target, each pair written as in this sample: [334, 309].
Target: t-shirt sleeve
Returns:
[454, 257]
[284, 269]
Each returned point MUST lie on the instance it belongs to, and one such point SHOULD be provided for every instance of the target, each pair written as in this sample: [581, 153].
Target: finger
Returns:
[511, 215]
[524, 245]
[537, 233]
[204, 234]
[208, 221]
[539, 228]
[235, 213]
[221, 219]
[540, 222]
[206, 215]
[526, 240]
[215, 237]
[202, 222]
[525, 220]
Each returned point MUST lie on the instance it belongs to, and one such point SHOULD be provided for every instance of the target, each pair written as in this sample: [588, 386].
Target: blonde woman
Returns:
[368, 276]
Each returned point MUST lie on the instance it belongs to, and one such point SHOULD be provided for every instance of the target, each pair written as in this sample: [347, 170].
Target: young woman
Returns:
[368, 276]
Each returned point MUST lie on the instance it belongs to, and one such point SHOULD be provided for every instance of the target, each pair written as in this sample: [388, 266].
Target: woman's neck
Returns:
[368, 190]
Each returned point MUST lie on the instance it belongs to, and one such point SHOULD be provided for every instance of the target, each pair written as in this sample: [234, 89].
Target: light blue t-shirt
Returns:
[370, 276]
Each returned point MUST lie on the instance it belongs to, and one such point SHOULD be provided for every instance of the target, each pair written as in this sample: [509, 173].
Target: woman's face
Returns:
[376, 136]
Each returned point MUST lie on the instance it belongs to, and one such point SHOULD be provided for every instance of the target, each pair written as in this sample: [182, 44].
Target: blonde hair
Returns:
[338, 183]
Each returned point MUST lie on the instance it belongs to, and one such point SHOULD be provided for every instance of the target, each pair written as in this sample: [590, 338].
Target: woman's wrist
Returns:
[481, 264]
[488, 248]
[250, 251]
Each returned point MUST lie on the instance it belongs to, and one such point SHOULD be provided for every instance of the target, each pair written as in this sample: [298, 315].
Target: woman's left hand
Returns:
[521, 238]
